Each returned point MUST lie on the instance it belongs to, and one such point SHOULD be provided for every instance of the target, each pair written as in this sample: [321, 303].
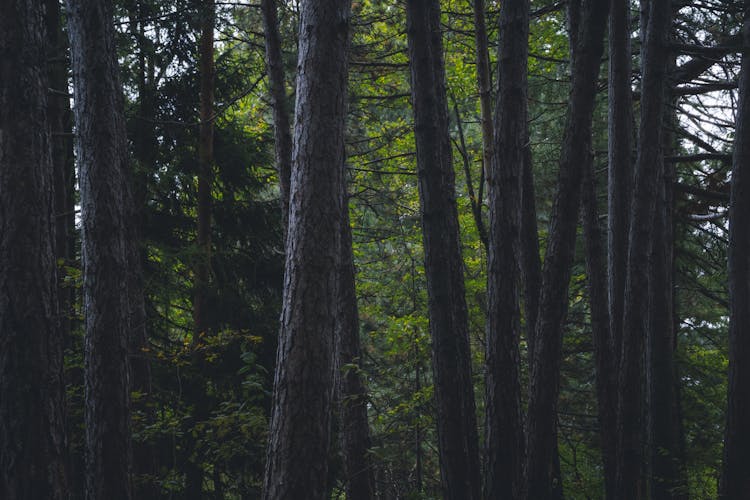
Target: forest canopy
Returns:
[374, 250]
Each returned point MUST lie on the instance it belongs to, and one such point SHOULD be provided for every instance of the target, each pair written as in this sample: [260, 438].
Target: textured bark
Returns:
[277, 86]
[359, 481]
[649, 166]
[60, 120]
[102, 157]
[620, 174]
[297, 459]
[454, 397]
[32, 432]
[542, 475]
[531, 265]
[606, 375]
[504, 427]
[666, 453]
[735, 481]
[620, 101]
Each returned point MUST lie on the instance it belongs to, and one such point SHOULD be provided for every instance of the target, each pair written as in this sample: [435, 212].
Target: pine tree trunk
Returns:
[504, 429]
[454, 397]
[542, 470]
[620, 174]
[648, 171]
[102, 157]
[359, 482]
[281, 122]
[735, 481]
[297, 457]
[32, 431]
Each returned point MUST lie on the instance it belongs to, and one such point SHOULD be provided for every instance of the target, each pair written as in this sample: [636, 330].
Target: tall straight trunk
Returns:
[454, 396]
[359, 481]
[666, 461]
[193, 470]
[735, 481]
[542, 478]
[350, 390]
[32, 431]
[531, 265]
[105, 229]
[606, 374]
[205, 172]
[620, 128]
[281, 122]
[648, 171]
[620, 174]
[663, 437]
[297, 457]
[60, 119]
[144, 152]
[504, 429]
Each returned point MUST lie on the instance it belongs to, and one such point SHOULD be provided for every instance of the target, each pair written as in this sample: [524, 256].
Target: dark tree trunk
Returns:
[60, 119]
[454, 396]
[735, 481]
[359, 482]
[205, 173]
[620, 174]
[194, 474]
[145, 149]
[102, 157]
[297, 459]
[542, 474]
[666, 460]
[606, 374]
[32, 431]
[649, 166]
[531, 265]
[281, 123]
[504, 429]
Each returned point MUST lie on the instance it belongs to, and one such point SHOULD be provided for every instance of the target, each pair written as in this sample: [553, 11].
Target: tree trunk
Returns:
[649, 166]
[205, 173]
[194, 474]
[542, 475]
[454, 396]
[281, 123]
[105, 222]
[359, 482]
[606, 375]
[60, 121]
[620, 174]
[297, 458]
[144, 151]
[504, 429]
[735, 481]
[32, 431]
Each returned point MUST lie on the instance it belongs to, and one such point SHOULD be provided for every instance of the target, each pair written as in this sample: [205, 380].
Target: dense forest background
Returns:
[202, 88]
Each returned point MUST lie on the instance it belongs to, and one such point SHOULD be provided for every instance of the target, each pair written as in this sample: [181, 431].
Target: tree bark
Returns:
[297, 458]
[648, 171]
[359, 481]
[504, 429]
[281, 122]
[735, 481]
[32, 430]
[105, 222]
[456, 414]
[542, 478]
[606, 374]
[60, 119]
